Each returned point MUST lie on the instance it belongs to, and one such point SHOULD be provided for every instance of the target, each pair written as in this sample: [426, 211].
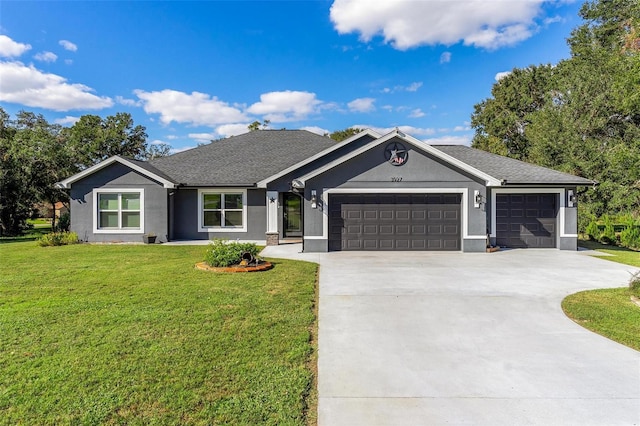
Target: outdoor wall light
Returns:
[477, 199]
[314, 199]
[572, 198]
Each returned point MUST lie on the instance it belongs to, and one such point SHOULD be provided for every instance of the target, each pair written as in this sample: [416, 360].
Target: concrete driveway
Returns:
[466, 339]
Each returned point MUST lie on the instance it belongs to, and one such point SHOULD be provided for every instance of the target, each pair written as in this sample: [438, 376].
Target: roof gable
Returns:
[489, 180]
[336, 146]
[142, 167]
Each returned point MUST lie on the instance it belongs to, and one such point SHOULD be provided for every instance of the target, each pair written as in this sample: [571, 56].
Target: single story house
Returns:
[369, 192]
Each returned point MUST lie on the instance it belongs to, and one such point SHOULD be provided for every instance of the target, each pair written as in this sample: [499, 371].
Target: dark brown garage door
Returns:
[526, 220]
[394, 222]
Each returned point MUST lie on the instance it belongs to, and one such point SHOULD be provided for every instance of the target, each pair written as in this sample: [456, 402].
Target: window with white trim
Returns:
[222, 210]
[118, 211]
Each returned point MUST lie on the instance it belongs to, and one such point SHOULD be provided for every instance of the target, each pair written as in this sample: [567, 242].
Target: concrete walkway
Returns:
[466, 339]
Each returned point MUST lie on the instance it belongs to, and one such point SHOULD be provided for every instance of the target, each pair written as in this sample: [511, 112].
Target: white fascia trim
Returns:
[561, 208]
[489, 180]
[213, 229]
[97, 191]
[263, 183]
[464, 210]
[88, 171]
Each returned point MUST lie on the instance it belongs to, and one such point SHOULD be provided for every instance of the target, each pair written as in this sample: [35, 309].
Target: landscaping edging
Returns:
[265, 266]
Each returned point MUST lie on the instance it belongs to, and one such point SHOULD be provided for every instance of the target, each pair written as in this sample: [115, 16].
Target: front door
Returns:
[292, 215]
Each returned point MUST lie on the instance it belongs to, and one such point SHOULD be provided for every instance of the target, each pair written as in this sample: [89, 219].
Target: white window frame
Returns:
[119, 230]
[202, 228]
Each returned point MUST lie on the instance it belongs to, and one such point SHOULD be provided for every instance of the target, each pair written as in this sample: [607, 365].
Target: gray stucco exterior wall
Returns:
[118, 177]
[185, 217]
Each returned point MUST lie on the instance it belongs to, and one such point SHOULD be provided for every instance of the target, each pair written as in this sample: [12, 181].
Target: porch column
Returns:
[272, 235]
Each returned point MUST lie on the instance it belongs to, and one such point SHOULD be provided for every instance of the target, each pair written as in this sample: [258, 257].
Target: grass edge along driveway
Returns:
[608, 312]
[115, 334]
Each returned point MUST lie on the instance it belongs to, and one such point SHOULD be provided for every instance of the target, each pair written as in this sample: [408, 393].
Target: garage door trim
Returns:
[464, 206]
[562, 196]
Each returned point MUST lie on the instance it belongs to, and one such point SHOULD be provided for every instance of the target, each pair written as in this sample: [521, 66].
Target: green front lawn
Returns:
[134, 334]
[609, 312]
[618, 254]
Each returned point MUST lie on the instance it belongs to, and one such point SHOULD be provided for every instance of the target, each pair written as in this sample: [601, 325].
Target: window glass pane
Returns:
[131, 220]
[232, 218]
[232, 201]
[108, 220]
[130, 201]
[212, 218]
[211, 201]
[108, 201]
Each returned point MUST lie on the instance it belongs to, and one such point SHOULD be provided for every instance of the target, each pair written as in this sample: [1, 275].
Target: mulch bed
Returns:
[264, 266]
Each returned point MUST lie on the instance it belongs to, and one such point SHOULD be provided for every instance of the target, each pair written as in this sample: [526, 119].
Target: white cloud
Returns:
[68, 120]
[128, 102]
[29, 86]
[362, 105]
[450, 140]
[465, 128]
[68, 61]
[408, 23]
[413, 87]
[67, 45]
[158, 142]
[417, 113]
[499, 76]
[228, 130]
[203, 137]
[45, 57]
[288, 105]
[194, 108]
[10, 48]
[317, 130]
[445, 58]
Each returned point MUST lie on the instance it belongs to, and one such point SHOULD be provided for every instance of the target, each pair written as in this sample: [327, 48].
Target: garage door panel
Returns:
[403, 214]
[394, 222]
[402, 230]
[418, 229]
[451, 215]
[386, 214]
[526, 220]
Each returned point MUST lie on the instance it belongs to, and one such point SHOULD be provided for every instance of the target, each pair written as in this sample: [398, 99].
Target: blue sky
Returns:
[194, 71]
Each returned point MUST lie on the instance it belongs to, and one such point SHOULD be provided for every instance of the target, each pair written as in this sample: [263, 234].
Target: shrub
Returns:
[63, 223]
[608, 235]
[630, 237]
[58, 239]
[593, 231]
[634, 284]
[222, 253]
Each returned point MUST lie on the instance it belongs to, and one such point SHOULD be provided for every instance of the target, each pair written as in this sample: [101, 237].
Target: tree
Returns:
[257, 126]
[93, 139]
[157, 150]
[580, 116]
[340, 135]
[501, 121]
[34, 157]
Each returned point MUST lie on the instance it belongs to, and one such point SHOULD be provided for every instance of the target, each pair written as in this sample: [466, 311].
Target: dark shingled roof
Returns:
[150, 168]
[508, 169]
[242, 160]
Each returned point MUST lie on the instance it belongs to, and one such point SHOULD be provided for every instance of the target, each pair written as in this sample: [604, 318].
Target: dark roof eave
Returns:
[217, 185]
[548, 184]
